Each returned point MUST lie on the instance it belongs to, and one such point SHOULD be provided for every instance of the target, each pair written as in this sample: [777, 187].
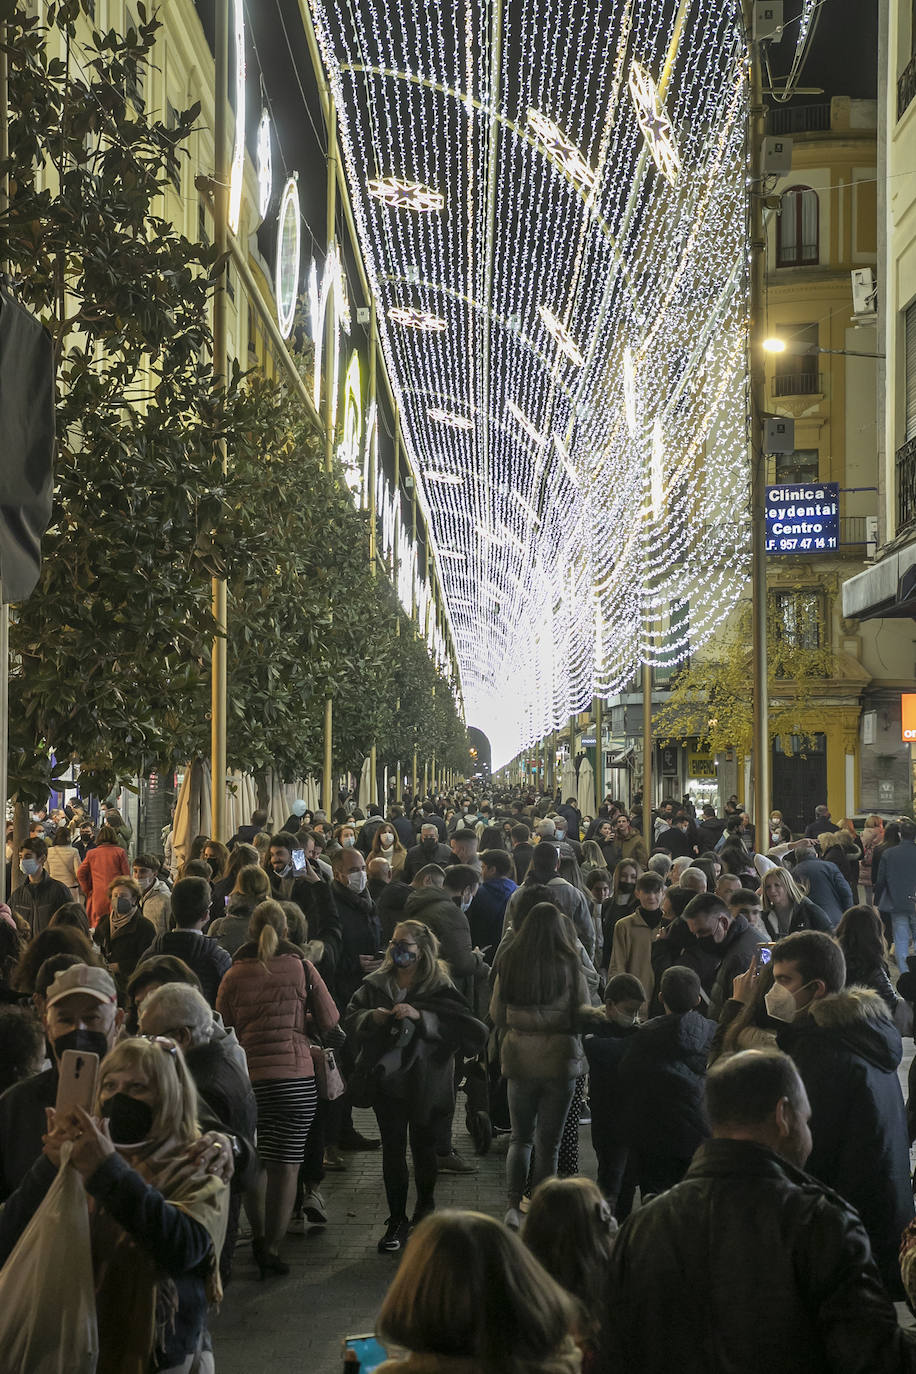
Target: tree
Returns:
[111, 652]
[713, 700]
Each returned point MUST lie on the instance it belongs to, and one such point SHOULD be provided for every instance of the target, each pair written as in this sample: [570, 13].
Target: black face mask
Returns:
[129, 1120]
[626, 888]
[430, 843]
[83, 1041]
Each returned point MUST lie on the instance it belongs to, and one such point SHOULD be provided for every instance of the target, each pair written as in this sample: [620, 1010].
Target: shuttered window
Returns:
[911, 372]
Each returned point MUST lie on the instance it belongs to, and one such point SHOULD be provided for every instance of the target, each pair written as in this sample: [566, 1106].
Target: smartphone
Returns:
[764, 955]
[363, 1354]
[298, 860]
[76, 1080]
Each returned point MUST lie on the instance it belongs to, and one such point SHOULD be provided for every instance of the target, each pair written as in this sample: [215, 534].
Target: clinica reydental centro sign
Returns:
[803, 517]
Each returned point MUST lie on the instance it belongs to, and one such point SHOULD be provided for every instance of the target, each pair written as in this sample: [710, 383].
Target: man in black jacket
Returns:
[847, 1050]
[749, 1264]
[430, 850]
[38, 896]
[191, 912]
[309, 891]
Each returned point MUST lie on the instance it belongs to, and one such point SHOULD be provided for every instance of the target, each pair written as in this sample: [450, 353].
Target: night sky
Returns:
[844, 54]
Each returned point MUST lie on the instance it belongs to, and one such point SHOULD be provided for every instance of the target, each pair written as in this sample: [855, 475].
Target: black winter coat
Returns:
[847, 1050]
[662, 1072]
[361, 934]
[787, 1281]
[445, 1027]
[604, 1049]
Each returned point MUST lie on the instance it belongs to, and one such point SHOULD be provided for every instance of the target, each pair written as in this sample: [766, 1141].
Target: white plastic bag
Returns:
[47, 1291]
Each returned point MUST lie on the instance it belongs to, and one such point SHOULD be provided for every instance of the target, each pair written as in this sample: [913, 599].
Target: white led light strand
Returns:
[237, 173]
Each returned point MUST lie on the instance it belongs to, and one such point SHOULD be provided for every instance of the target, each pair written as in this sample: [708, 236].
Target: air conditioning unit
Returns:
[777, 156]
[767, 20]
[778, 434]
[864, 292]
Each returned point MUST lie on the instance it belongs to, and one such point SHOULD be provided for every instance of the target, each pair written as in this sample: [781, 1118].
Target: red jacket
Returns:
[101, 864]
[265, 1005]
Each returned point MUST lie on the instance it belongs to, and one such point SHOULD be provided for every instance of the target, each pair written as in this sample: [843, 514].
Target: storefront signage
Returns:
[908, 717]
[701, 766]
[803, 518]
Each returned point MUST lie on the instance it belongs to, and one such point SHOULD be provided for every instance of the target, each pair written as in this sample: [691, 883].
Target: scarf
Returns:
[136, 1303]
[119, 920]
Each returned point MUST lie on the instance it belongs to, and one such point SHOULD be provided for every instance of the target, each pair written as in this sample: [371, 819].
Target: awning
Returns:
[885, 591]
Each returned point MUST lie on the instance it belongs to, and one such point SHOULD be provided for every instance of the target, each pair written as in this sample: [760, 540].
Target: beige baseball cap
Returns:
[85, 979]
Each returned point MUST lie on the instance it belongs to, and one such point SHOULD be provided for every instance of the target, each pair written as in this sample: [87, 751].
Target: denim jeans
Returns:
[537, 1111]
[904, 927]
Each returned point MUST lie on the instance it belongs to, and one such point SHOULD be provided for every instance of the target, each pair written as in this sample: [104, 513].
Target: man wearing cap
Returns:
[81, 1013]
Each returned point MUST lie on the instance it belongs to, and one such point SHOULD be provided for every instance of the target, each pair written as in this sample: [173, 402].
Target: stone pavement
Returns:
[294, 1325]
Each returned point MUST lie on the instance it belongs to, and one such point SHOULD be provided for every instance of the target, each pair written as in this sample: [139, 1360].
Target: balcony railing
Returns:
[798, 384]
[806, 119]
[906, 484]
[906, 88]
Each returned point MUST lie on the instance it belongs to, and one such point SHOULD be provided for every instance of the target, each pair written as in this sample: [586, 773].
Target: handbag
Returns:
[327, 1073]
[903, 1017]
[47, 1292]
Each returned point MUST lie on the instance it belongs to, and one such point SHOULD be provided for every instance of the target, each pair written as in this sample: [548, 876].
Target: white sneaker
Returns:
[313, 1205]
[513, 1219]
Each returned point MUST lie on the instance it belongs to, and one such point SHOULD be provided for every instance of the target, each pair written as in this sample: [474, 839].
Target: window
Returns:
[203, 233]
[134, 76]
[910, 347]
[796, 372]
[800, 466]
[797, 228]
[171, 123]
[797, 618]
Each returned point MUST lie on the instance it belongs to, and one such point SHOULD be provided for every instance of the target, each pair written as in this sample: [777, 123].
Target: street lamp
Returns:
[777, 345]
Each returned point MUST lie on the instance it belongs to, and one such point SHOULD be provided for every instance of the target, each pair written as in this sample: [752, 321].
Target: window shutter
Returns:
[911, 372]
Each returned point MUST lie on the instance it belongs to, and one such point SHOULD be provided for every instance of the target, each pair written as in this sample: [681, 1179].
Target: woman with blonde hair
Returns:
[408, 1021]
[570, 1229]
[386, 845]
[872, 836]
[786, 908]
[157, 1226]
[470, 1299]
[842, 848]
[264, 998]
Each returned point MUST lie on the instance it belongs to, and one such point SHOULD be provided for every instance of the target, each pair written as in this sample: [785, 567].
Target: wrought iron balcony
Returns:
[906, 484]
[798, 384]
[906, 88]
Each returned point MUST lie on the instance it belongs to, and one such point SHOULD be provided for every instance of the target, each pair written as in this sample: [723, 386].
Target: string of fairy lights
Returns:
[550, 197]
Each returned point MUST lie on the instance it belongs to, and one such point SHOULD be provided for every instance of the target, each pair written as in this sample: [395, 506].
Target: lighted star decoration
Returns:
[405, 195]
[413, 318]
[589, 390]
[561, 336]
[555, 142]
[654, 122]
[448, 417]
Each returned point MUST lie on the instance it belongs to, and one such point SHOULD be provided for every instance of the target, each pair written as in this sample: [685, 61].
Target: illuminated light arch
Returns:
[348, 450]
[330, 295]
[405, 195]
[654, 122]
[237, 173]
[264, 164]
[289, 246]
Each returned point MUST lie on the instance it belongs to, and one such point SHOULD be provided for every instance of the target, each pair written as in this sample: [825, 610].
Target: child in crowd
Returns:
[604, 1047]
[662, 1073]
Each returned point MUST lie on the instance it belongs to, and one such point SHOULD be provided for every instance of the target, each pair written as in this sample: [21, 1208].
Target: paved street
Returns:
[338, 1279]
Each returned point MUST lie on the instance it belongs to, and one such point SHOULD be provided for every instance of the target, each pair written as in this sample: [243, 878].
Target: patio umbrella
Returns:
[568, 782]
[366, 793]
[586, 789]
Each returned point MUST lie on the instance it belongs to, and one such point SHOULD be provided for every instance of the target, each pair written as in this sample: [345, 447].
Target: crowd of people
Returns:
[725, 1013]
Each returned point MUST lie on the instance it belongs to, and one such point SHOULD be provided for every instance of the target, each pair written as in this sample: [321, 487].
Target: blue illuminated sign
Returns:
[803, 517]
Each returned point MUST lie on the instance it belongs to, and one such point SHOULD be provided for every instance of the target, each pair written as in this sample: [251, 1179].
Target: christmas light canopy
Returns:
[570, 207]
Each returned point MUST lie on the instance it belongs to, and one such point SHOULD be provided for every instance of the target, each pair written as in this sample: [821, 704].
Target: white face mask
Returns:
[356, 881]
[347, 841]
[780, 1003]
[387, 842]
